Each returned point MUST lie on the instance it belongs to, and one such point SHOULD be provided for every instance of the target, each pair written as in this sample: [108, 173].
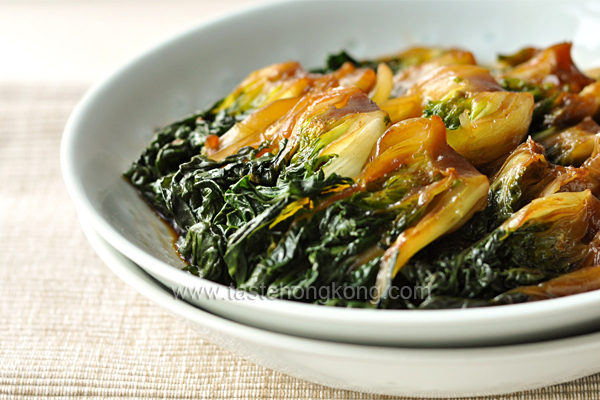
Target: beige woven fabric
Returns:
[70, 328]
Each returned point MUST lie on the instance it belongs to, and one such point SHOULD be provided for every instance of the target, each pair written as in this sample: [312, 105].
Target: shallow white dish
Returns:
[115, 121]
[384, 370]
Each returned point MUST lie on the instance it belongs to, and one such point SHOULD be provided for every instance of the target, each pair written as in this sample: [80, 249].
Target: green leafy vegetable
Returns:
[174, 145]
[335, 61]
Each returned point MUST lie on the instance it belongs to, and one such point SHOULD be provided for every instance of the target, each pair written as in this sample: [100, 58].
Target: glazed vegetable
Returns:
[421, 61]
[548, 237]
[456, 190]
[552, 66]
[579, 281]
[484, 122]
[512, 60]
[486, 126]
[564, 95]
[348, 184]
[523, 175]
[572, 146]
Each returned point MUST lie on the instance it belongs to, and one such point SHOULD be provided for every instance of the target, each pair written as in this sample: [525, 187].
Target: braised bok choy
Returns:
[417, 180]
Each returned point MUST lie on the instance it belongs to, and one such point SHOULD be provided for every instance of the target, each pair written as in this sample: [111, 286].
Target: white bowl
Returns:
[383, 370]
[115, 121]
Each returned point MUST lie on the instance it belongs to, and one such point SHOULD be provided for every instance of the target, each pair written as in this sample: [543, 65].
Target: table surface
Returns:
[69, 327]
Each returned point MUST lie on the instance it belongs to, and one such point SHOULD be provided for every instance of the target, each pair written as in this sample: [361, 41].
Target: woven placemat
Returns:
[70, 328]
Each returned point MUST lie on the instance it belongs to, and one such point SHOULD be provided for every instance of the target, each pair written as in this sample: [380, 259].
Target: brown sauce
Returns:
[175, 230]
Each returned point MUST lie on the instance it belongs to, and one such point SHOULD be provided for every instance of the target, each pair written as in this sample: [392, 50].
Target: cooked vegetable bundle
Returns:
[419, 180]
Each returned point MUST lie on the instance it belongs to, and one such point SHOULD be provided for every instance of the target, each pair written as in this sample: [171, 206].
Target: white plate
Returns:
[383, 370]
[115, 121]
